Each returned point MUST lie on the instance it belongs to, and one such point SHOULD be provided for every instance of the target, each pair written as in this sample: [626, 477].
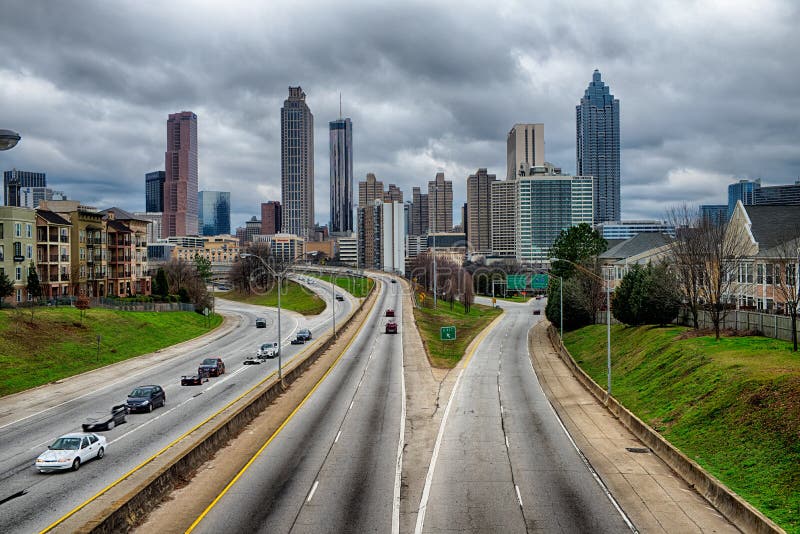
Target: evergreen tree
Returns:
[6, 287]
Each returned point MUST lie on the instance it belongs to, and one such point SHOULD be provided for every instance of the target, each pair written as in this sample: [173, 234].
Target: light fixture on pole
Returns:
[608, 314]
[9, 139]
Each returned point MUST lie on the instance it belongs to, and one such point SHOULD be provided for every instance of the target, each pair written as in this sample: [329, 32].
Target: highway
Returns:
[35, 500]
[335, 466]
[502, 461]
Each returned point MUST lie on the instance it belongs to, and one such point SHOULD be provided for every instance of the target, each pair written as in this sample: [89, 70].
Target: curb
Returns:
[735, 509]
[119, 506]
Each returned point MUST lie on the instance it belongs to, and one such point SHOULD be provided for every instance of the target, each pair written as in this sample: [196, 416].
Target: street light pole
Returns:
[561, 306]
[608, 314]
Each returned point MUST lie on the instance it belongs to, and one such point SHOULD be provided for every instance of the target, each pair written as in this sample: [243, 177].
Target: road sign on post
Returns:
[447, 333]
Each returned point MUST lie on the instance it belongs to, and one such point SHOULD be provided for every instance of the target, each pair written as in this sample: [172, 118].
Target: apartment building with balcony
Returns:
[53, 258]
[127, 253]
[17, 245]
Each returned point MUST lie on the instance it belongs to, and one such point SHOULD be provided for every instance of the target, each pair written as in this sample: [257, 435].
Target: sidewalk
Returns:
[655, 499]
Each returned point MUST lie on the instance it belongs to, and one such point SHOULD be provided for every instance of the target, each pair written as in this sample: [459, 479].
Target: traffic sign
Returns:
[447, 333]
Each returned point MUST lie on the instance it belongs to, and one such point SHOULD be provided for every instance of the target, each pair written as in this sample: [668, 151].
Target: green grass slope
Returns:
[733, 406]
[56, 345]
[356, 286]
[294, 297]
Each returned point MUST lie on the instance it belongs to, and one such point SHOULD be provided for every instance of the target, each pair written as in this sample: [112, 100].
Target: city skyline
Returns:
[684, 137]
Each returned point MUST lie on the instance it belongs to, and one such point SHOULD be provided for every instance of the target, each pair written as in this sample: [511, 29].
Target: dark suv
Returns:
[146, 398]
[212, 366]
[304, 333]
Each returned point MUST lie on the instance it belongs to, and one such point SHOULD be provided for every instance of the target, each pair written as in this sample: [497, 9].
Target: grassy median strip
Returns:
[56, 344]
[733, 406]
[355, 285]
[447, 354]
[294, 297]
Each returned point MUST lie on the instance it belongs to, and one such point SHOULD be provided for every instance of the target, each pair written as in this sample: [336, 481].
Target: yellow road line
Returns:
[279, 429]
[478, 340]
[167, 447]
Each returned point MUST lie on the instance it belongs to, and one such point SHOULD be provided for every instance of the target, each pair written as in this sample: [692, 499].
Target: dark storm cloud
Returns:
[708, 91]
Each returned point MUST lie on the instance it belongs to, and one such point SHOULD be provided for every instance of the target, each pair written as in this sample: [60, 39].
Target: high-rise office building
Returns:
[419, 213]
[597, 147]
[215, 212]
[504, 218]
[393, 194]
[369, 190]
[744, 190]
[478, 217]
[440, 204]
[547, 204]
[341, 153]
[524, 149]
[180, 178]
[154, 191]
[297, 165]
[251, 228]
[714, 213]
[271, 218]
[30, 197]
[13, 180]
[778, 194]
[381, 236]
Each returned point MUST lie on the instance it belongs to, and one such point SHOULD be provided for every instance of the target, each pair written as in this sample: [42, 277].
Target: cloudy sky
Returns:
[708, 90]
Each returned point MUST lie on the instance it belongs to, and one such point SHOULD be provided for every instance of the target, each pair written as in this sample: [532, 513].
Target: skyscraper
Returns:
[154, 191]
[341, 153]
[13, 180]
[180, 178]
[369, 190]
[440, 204]
[478, 220]
[504, 217]
[297, 165]
[524, 149]
[393, 194]
[215, 212]
[271, 218]
[744, 190]
[597, 147]
[419, 212]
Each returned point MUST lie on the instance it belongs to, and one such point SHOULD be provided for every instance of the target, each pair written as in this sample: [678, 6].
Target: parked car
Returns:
[391, 327]
[389, 312]
[267, 350]
[214, 367]
[252, 360]
[339, 297]
[261, 322]
[305, 333]
[146, 398]
[106, 420]
[194, 380]
[70, 451]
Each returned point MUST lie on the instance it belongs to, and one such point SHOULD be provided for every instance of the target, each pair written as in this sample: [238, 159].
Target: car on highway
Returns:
[391, 327]
[146, 398]
[194, 380]
[339, 297]
[70, 451]
[389, 312]
[267, 350]
[261, 322]
[394, 281]
[106, 420]
[252, 360]
[213, 366]
[298, 340]
[305, 333]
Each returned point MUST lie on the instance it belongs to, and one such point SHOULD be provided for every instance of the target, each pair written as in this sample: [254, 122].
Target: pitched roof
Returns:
[119, 227]
[123, 215]
[773, 224]
[636, 245]
[52, 217]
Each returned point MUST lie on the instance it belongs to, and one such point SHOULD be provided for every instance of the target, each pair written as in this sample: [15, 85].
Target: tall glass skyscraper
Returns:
[341, 148]
[154, 191]
[215, 212]
[297, 165]
[744, 190]
[597, 147]
[180, 176]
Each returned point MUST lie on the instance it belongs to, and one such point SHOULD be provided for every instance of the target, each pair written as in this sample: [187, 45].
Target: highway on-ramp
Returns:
[30, 501]
[335, 466]
[502, 461]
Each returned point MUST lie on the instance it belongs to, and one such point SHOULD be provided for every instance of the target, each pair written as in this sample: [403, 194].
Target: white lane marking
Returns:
[507, 447]
[313, 489]
[42, 444]
[337, 437]
[501, 409]
[150, 421]
[351, 404]
[228, 377]
[580, 453]
[401, 441]
[519, 497]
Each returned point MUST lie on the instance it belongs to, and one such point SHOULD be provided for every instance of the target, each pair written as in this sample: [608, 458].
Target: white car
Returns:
[267, 350]
[70, 451]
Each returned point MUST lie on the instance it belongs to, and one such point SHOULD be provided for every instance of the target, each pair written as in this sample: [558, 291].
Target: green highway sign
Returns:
[516, 282]
[447, 333]
[539, 281]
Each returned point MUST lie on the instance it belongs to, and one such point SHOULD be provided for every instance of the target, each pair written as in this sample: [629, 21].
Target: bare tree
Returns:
[786, 256]
[178, 273]
[467, 292]
[686, 260]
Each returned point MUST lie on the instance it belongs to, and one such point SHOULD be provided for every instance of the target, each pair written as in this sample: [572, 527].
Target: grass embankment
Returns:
[733, 406]
[355, 285]
[56, 345]
[514, 298]
[447, 354]
[294, 297]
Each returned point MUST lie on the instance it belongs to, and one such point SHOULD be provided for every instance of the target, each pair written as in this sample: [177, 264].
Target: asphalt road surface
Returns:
[32, 500]
[335, 467]
[504, 462]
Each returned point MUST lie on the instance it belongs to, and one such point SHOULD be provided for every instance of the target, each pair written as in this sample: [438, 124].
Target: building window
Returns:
[29, 251]
[18, 274]
[1, 231]
[2, 253]
[19, 295]
[17, 248]
[28, 230]
[17, 229]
